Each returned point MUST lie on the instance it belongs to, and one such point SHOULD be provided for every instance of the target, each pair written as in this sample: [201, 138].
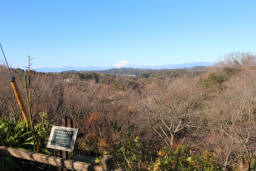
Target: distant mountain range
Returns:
[93, 68]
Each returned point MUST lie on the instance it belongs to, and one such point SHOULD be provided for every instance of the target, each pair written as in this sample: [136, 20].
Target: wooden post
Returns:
[67, 122]
[107, 163]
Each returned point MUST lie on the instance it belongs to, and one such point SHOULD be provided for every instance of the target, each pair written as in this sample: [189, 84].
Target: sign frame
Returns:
[58, 147]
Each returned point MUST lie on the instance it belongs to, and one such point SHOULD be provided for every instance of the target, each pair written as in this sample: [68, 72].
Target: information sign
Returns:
[62, 138]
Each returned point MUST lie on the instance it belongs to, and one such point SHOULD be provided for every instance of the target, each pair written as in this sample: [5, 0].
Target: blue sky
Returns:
[59, 33]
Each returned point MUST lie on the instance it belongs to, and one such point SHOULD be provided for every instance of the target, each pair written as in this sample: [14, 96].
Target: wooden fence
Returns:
[106, 162]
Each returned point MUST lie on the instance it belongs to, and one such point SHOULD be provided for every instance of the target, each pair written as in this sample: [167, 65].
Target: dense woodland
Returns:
[184, 119]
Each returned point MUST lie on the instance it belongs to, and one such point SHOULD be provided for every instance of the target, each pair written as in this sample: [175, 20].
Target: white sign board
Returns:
[62, 138]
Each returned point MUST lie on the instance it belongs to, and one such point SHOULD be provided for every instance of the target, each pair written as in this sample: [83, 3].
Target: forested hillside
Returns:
[154, 120]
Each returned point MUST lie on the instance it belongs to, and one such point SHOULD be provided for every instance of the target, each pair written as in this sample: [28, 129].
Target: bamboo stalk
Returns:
[20, 103]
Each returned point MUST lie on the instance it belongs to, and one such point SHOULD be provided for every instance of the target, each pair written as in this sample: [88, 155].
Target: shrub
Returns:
[231, 71]
[15, 134]
[132, 154]
[184, 158]
[214, 80]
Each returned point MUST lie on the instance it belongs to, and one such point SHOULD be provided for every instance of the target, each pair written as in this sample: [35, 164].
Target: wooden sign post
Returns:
[67, 122]
[63, 138]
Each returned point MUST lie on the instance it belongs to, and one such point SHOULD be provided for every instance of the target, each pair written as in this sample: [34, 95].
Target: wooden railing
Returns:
[106, 162]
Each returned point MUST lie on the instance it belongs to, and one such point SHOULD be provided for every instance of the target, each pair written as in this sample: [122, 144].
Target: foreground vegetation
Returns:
[162, 120]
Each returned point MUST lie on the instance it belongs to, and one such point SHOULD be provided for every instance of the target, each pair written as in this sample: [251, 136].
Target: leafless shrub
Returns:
[233, 118]
[238, 59]
[169, 109]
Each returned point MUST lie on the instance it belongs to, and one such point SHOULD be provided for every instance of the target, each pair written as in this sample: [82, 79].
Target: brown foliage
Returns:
[219, 117]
